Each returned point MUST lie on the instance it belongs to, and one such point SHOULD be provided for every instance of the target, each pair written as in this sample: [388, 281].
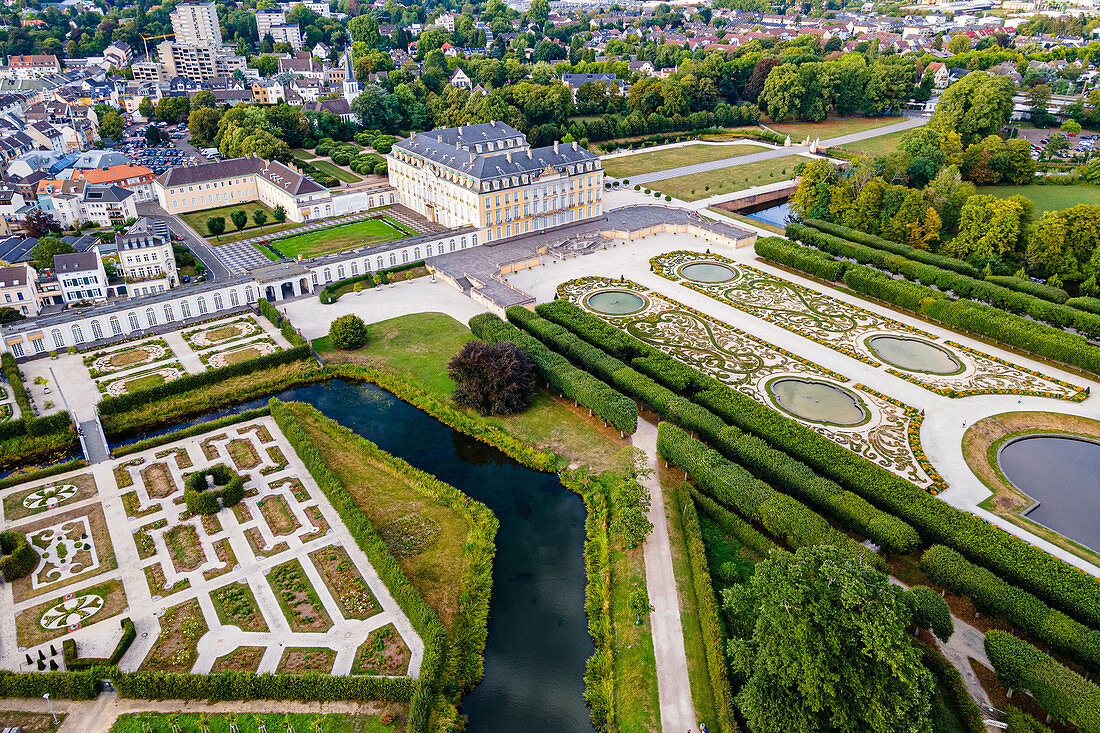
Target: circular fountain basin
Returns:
[708, 272]
[914, 355]
[820, 402]
[615, 302]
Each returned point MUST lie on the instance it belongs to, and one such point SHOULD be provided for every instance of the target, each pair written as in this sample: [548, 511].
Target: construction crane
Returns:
[146, 39]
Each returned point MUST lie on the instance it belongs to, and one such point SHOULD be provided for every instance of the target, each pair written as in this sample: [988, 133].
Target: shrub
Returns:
[17, 558]
[494, 379]
[991, 595]
[1063, 693]
[201, 498]
[800, 258]
[348, 333]
[930, 611]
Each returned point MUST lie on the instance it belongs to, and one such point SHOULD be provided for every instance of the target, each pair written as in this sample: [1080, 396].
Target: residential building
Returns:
[272, 21]
[62, 200]
[135, 178]
[81, 276]
[148, 262]
[573, 82]
[149, 71]
[460, 80]
[198, 63]
[238, 181]
[17, 289]
[108, 205]
[196, 24]
[487, 176]
[30, 66]
[118, 54]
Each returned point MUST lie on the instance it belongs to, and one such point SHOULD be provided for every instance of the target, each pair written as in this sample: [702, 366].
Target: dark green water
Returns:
[538, 635]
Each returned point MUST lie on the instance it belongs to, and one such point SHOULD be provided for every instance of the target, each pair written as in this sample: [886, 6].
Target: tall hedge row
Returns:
[731, 485]
[113, 405]
[252, 686]
[802, 259]
[1011, 558]
[784, 473]
[82, 685]
[710, 623]
[928, 258]
[734, 525]
[1062, 692]
[74, 663]
[271, 313]
[419, 613]
[605, 402]
[1056, 314]
[1024, 611]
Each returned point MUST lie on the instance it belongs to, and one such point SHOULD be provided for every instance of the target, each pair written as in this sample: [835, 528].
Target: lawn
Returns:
[660, 160]
[881, 145]
[834, 127]
[386, 498]
[728, 180]
[303, 154]
[417, 348]
[335, 239]
[334, 170]
[1048, 198]
[151, 380]
[197, 219]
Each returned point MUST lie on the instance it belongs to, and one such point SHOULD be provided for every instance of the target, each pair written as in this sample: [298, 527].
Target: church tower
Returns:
[351, 85]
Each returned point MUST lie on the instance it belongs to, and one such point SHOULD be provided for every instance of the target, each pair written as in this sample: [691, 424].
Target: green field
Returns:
[219, 723]
[660, 160]
[197, 219]
[334, 170]
[881, 145]
[335, 239]
[303, 154]
[834, 127]
[728, 180]
[1048, 198]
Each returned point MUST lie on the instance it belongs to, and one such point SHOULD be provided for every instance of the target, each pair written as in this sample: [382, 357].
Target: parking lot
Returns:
[161, 157]
[1084, 143]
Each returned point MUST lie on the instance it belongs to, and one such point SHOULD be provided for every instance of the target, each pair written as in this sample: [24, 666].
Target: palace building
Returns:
[486, 176]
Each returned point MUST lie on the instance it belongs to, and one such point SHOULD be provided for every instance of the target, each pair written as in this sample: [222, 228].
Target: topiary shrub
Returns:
[494, 379]
[930, 611]
[348, 333]
[17, 558]
[201, 498]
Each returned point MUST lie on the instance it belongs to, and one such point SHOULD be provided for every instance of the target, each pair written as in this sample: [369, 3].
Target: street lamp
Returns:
[47, 698]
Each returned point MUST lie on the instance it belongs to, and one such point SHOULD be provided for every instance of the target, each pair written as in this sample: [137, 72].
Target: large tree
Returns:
[45, 250]
[494, 379]
[820, 643]
[976, 106]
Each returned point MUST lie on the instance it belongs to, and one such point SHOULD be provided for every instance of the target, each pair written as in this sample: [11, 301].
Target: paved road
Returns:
[215, 268]
[673, 683]
[713, 165]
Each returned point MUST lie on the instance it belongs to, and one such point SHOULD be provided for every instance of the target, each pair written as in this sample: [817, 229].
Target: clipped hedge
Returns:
[15, 380]
[419, 613]
[605, 402]
[968, 712]
[1024, 611]
[802, 259]
[200, 498]
[732, 486]
[1054, 580]
[252, 686]
[82, 685]
[710, 623]
[930, 611]
[271, 313]
[17, 558]
[114, 405]
[1039, 290]
[41, 473]
[734, 525]
[74, 663]
[774, 466]
[1063, 693]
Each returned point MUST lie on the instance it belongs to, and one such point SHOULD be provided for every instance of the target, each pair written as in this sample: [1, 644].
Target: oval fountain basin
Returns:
[818, 401]
[914, 355]
[615, 302]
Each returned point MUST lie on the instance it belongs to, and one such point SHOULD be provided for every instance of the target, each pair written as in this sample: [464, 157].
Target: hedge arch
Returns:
[17, 558]
[200, 498]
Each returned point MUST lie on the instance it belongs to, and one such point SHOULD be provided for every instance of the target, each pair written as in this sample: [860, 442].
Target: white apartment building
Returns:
[108, 205]
[273, 21]
[198, 63]
[196, 24]
[145, 252]
[81, 276]
[488, 177]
